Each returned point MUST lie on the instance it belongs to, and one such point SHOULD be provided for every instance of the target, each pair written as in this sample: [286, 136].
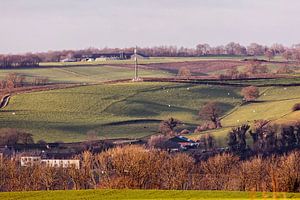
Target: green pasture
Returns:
[82, 74]
[112, 110]
[274, 104]
[143, 195]
[151, 60]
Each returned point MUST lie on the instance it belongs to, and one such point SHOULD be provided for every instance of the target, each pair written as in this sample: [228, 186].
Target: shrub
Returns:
[205, 126]
[250, 93]
[296, 107]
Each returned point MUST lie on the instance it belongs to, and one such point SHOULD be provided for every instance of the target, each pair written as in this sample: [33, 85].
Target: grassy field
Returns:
[83, 74]
[143, 195]
[134, 110]
[112, 110]
[274, 103]
[151, 60]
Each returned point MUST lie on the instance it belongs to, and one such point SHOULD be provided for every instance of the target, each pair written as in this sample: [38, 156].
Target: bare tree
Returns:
[269, 54]
[237, 138]
[157, 140]
[211, 111]
[250, 93]
[184, 72]
[167, 127]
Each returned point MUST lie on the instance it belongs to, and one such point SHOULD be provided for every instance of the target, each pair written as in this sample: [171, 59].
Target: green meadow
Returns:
[131, 110]
[274, 104]
[82, 74]
[143, 195]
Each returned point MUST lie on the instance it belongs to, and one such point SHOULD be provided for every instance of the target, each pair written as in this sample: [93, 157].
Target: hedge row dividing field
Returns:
[143, 195]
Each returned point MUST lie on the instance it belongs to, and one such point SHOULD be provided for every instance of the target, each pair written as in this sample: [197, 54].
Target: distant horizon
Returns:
[129, 47]
[41, 26]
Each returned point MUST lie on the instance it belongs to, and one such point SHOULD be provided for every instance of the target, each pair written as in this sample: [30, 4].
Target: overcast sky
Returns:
[41, 25]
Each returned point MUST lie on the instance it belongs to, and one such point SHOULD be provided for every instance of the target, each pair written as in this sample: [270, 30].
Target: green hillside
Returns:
[274, 103]
[81, 74]
[143, 195]
[112, 110]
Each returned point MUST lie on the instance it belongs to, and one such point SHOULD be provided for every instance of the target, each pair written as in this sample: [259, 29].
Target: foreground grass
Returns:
[112, 110]
[142, 194]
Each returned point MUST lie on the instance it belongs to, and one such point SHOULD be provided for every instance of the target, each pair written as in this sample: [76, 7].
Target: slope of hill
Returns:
[112, 110]
[83, 74]
[274, 104]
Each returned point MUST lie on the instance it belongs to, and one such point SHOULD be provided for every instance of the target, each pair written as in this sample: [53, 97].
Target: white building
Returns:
[27, 161]
[61, 163]
[30, 161]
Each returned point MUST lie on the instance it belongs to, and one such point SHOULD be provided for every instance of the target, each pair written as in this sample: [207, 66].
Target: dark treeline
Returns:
[17, 61]
[262, 139]
[138, 167]
[266, 139]
[14, 80]
[230, 49]
[273, 164]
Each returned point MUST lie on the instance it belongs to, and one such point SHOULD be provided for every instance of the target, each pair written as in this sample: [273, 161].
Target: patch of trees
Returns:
[233, 74]
[230, 49]
[266, 138]
[296, 107]
[184, 72]
[136, 167]
[14, 136]
[285, 70]
[18, 61]
[14, 80]
[167, 127]
[250, 93]
[211, 112]
[254, 69]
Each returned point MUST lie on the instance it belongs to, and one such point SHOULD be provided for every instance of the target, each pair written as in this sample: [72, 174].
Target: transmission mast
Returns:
[136, 66]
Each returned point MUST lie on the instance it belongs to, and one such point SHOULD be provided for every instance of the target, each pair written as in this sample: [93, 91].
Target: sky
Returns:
[42, 25]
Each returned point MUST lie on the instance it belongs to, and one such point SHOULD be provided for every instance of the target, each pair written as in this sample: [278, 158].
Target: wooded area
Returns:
[135, 167]
[230, 49]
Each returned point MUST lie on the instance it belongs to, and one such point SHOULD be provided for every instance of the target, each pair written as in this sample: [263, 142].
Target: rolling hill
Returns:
[112, 110]
[82, 74]
[274, 104]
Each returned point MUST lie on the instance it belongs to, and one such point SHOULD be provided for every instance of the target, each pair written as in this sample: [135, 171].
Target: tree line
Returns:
[139, 167]
[230, 49]
[14, 80]
[18, 61]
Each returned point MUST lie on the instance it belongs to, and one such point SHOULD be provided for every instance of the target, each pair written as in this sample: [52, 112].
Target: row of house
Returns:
[27, 161]
[58, 155]
[104, 57]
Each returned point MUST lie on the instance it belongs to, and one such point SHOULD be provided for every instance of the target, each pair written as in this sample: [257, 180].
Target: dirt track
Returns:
[4, 101]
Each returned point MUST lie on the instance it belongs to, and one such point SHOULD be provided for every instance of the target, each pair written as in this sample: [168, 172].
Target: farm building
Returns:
[103, 57]
[184, 142]
[114, 56]
[68, 60]
[177, 143]
[57, 163]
